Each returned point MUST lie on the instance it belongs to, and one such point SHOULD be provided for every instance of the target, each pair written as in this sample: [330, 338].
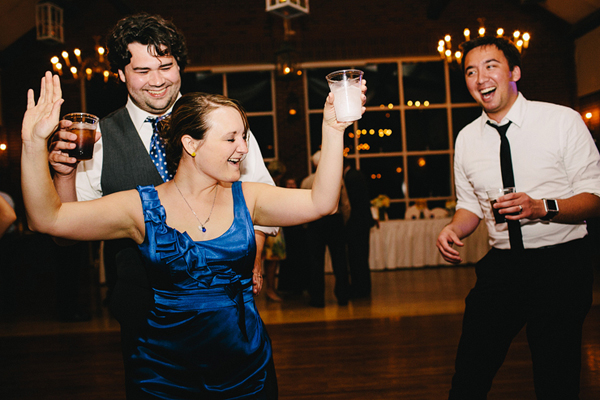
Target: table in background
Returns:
[411, 243]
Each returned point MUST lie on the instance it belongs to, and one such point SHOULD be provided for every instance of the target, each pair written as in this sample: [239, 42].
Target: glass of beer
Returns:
[84, 126]
[493, 196]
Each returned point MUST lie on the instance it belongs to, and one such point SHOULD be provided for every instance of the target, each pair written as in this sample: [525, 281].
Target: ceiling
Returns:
[17, 17]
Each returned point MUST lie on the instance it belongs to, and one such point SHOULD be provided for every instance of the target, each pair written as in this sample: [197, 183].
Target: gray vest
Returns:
[126, 162]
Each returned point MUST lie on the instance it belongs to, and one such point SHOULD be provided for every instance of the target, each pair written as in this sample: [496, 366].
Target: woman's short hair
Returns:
[190, 116]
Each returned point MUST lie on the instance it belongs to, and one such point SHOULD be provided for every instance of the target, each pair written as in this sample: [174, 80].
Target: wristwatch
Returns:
[551, 207]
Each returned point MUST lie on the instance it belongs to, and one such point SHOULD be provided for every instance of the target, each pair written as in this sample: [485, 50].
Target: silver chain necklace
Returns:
[201, 227]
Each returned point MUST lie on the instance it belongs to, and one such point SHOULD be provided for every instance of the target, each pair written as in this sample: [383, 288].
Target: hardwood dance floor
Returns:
[398, 345]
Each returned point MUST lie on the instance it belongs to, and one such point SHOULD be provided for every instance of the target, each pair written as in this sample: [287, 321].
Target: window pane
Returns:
[380, 132]
[461, 117]
[252, 89]
[424, 81]
[262, 129]
[383, 84]
[206, 82]
[426, 129]
[316, 134]
[429, 175]
[458, 87]
[384, 175]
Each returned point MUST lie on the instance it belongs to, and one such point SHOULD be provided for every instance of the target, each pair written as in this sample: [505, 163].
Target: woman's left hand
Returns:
[41, 119]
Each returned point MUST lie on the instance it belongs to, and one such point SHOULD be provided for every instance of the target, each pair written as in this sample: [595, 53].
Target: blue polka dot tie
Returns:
[157, 148]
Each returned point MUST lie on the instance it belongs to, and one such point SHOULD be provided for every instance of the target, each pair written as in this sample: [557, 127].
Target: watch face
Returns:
[552, 205]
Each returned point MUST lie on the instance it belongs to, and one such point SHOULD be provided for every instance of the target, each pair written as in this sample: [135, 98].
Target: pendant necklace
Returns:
[201, 227]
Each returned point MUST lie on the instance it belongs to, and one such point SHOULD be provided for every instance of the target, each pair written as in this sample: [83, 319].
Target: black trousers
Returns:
[549, 291]
[328, 231]
[358, 240]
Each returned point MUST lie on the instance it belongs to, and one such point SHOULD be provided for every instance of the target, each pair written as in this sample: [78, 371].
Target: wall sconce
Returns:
[286, 59]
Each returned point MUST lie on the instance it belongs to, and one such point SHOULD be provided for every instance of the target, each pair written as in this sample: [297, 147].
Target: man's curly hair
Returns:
[152, 30]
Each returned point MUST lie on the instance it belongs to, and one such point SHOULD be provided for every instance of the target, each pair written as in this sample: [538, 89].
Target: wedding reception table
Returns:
[411, 243]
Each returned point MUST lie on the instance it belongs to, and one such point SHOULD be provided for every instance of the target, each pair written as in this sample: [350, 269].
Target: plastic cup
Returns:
[345, 86]
[84, 126]
[493, 196]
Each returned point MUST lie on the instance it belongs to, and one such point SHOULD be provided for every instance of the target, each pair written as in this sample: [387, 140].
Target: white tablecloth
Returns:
[411, 243]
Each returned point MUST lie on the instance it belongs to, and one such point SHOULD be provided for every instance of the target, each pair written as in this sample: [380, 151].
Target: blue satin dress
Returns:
[204, 338]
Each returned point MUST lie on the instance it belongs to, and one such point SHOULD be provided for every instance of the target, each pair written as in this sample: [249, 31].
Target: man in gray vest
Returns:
[149, 54]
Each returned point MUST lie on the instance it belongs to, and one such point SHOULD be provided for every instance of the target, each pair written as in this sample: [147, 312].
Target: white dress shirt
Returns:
[89, 172]
[553, 156]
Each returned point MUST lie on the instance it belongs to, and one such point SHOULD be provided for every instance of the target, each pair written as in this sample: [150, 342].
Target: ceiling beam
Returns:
[586, 25]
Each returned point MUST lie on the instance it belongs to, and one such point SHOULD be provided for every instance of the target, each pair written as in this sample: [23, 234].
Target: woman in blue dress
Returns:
[204, 338]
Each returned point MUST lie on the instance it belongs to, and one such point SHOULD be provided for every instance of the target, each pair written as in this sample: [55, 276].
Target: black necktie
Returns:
[508, 179]
[157, 148]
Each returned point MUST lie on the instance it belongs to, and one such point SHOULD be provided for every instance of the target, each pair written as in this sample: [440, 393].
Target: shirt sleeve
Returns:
[581, 158]
[89, 173]
[254, 170]
[466, 198]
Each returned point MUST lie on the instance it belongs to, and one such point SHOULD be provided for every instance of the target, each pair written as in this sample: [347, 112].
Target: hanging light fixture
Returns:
[49, 22]
[286, 58]
[287, 8]
[520, 40]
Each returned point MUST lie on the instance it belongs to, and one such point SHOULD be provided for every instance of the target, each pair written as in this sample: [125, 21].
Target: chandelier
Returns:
[520, 40]
[81, 68]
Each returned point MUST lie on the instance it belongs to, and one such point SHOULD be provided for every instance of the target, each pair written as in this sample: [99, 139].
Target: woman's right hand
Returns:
[41, 119]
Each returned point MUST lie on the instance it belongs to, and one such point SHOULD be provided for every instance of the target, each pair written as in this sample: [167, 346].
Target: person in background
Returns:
[203, 337]
[358, 231]
[7, 254]
[275, 246]
[327, 232]
[7, 214]
[149, 54]
[293, 277]
[538, 273]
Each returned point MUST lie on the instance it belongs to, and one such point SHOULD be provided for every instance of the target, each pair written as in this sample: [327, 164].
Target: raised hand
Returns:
[41, 118]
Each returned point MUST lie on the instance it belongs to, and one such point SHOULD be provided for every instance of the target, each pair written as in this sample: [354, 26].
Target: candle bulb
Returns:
[74, 72]
[54, 61]
[77, 53]
[467, 34]
[101, 53]
[526, 38]
[59, 68]
[500, 32]
[65, 56]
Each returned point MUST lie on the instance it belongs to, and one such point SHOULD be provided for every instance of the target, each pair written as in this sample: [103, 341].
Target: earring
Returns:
[193, 154]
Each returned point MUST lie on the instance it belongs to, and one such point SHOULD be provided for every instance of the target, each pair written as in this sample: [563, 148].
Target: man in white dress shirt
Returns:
[149, 54]
[538, 273]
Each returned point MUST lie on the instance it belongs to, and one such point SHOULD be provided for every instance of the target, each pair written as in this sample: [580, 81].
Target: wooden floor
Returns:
[400, 344]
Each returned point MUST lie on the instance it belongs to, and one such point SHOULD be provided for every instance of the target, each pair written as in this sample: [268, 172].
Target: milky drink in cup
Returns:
[84, 126]
[346, 88]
